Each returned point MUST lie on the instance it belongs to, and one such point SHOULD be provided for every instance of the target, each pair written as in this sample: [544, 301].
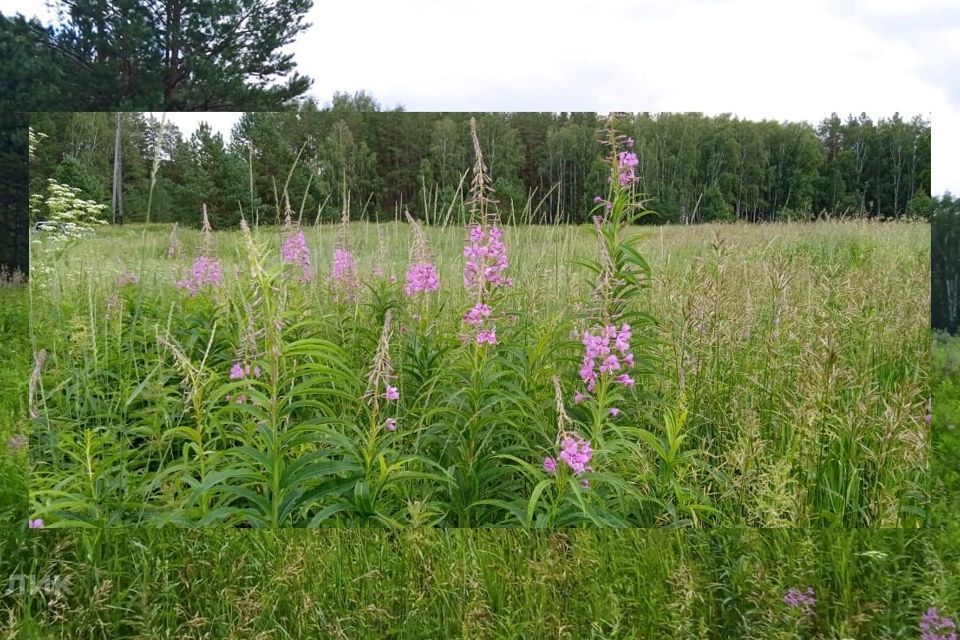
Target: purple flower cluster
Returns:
[127, 278]
[933, 626]
[487, 336]
[421, 277]
[486, 256]
[575, 453]
[239, 371]
[344, 265]
[344, 273]
[294, 250]
[801, 600]
[600, 358]
[477, 315]
[390, 424]
[36, 524]
[626, 161]
[204, 271]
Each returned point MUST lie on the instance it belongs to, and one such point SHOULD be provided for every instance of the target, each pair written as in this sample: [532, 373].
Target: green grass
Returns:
[799, 354]
[15, 356]
[221, 583]
[946, 430]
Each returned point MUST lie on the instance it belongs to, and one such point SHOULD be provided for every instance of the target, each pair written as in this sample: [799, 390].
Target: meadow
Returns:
[780, 378]
[461, 583]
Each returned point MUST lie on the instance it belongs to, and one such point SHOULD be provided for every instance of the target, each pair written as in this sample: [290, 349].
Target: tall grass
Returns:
[220, 583]
[15, 354]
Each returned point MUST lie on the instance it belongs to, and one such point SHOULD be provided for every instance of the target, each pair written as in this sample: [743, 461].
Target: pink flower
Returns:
[610, 364]
[486, 256]
[344, 272]
[295, 251]
[237, 372]
[205, 271]
[626, 161]
[549, 465]
[392, 393]
[626, 380]
[578, 397]
[614, 412]
[36, 524]
[421, 278]
[488, 336]
[477, 314]
[576, 453]
[390, 424]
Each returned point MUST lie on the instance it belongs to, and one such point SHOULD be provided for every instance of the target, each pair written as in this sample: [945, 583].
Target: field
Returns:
[781, 379]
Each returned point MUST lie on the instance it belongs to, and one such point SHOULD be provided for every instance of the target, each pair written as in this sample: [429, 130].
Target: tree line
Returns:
[945, 264]
[546, 167]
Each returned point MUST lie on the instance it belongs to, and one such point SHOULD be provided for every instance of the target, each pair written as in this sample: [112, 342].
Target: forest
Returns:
[945, 263]
[545, 167]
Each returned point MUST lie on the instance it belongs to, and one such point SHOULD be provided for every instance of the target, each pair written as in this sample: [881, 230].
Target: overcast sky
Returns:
[755, 58]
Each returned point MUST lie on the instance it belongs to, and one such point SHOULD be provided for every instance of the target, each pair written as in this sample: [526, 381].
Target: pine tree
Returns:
[171, 55]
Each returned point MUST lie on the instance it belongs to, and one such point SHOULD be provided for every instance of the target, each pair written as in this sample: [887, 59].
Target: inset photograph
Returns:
[343, 315]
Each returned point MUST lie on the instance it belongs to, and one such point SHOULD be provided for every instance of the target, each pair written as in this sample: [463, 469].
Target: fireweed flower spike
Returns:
[485, 252]
[626, 162]
[381, 376]
[205, 271]
[600, 357]
[206, 268]
[487, 336]
[240, 371]
[343, 275]
[294, 249]
[933, 626]
[575, 452]
[422, 273]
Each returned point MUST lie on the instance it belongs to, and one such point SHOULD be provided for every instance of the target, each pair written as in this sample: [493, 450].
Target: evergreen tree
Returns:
[194, 55]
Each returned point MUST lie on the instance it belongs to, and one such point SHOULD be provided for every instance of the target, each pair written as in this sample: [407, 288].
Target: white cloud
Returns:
[755, 58]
